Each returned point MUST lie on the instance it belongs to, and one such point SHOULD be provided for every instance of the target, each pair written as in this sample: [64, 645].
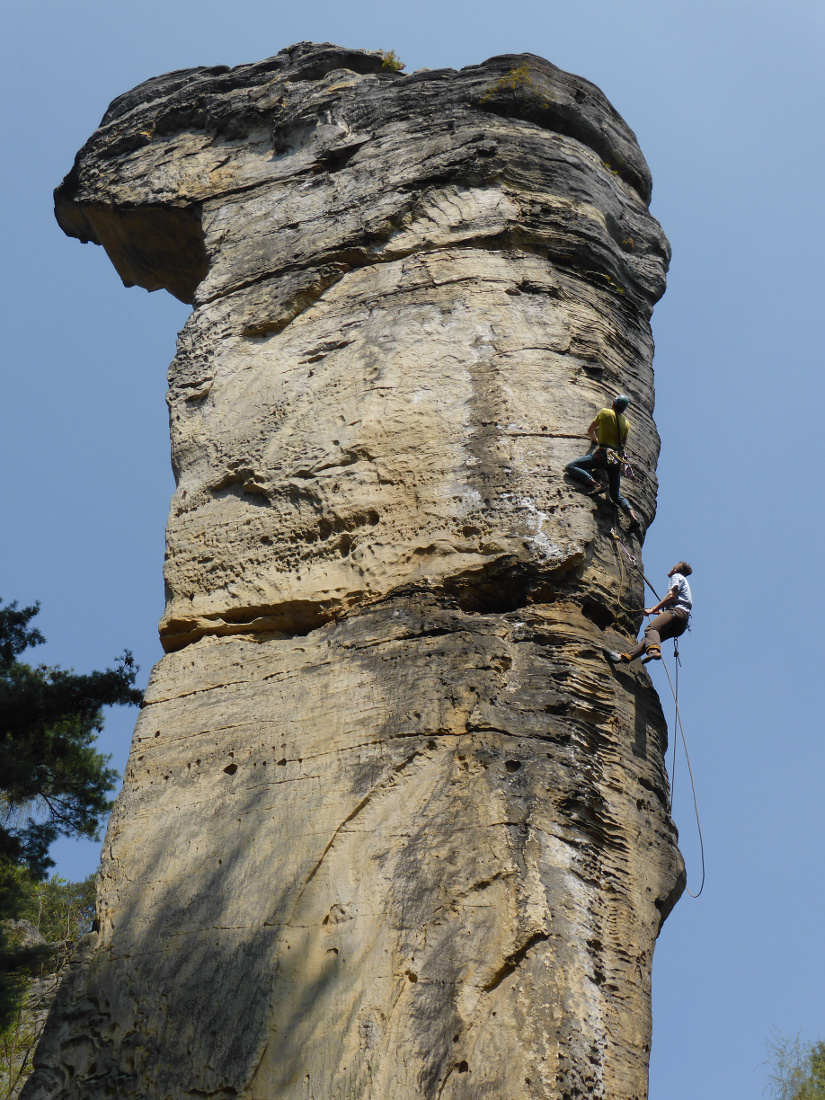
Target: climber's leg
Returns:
[583, 469]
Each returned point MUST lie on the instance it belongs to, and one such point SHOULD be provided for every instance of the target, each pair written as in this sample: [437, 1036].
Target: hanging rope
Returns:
[652, 589]
[675, 693]
[692, 784]
[622, 549]
[675, 720]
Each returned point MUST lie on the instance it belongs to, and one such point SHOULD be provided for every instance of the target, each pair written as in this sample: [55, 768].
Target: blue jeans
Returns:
[583, 469]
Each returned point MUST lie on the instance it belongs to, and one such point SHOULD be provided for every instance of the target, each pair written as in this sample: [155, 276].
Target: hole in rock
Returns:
[512, 765]
[336, 159]
[597, 613]
[489, 592]
[230, 769]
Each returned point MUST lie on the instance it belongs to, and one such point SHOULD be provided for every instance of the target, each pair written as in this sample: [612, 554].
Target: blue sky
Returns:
[727, 100]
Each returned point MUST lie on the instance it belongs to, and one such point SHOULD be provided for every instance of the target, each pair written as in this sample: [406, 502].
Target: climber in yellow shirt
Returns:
[608, 430]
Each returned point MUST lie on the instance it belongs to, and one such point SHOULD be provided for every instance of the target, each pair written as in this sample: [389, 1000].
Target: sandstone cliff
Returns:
[391, 826]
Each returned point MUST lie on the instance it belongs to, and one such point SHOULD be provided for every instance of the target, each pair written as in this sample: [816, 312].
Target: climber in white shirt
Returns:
[673, 621]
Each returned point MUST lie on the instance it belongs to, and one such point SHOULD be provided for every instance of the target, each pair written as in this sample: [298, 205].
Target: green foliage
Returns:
[513, 81]
[61, 912]
[799, 1069]
[18, 959]
[18, 1040]
[53, 781]
[516, 92]
[391, 61]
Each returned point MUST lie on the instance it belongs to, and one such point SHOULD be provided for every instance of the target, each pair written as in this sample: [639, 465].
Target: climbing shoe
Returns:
[634, 527]
[618, 658]
[653, 653]
[593, 488]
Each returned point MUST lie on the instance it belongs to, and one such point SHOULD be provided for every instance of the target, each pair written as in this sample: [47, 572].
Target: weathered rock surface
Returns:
[408, 304]
[391, 826]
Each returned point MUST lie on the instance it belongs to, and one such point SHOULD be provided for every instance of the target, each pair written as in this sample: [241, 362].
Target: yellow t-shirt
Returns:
[606, 429]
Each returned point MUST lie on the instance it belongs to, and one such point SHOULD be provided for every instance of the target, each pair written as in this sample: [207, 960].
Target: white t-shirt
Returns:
[683, 596]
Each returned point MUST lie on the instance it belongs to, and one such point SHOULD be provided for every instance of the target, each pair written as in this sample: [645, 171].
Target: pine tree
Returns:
[53, 781]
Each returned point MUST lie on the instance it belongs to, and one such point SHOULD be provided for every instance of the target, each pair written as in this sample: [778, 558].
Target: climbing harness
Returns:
[675, 693]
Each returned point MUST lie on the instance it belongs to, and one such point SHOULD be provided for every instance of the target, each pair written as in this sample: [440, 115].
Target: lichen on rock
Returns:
[391, 825]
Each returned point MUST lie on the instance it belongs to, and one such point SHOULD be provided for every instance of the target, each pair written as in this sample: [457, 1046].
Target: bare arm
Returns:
[669, 599]
[591, 432]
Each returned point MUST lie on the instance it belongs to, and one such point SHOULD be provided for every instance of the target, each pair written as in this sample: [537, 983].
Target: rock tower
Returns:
[392, 828]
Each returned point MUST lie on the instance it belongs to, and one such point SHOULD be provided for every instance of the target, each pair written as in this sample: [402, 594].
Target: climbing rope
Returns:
[678, 662]
[675, 693]
[622, 549]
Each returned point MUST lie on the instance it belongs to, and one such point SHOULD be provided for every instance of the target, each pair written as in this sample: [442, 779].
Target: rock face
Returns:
[391, 826]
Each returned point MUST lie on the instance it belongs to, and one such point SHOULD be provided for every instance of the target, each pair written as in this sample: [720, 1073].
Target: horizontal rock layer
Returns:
[412, 854]
[391, 824]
